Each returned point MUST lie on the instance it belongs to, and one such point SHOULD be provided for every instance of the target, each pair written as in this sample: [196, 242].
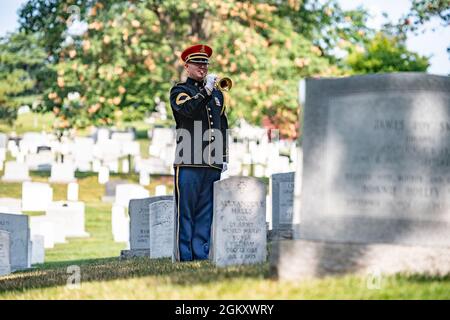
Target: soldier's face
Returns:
[196, 71]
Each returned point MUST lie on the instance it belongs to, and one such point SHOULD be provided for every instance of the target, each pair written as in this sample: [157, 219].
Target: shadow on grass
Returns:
[141, 134]
[187, 273]
[40, 174]
[424, 278]
[85, 174]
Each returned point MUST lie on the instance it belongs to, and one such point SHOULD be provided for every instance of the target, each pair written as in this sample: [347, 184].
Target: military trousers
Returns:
[193, 211]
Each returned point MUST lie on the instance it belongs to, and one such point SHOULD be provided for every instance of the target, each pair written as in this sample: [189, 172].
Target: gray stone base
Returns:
[134, 253]
[276, 235]
[5, 270]
[300, 259]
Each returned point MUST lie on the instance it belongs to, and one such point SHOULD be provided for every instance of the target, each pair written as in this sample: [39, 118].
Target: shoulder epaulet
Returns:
[180, 83]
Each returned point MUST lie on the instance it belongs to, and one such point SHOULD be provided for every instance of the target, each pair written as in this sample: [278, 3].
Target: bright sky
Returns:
[432, 44]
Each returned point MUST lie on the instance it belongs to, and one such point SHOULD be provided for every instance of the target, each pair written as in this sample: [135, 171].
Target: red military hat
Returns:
[198, 53]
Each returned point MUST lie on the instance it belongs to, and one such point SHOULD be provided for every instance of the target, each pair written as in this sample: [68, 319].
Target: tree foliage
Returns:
[423, 11]
[127, 58]
[385, 53]
[22, 71]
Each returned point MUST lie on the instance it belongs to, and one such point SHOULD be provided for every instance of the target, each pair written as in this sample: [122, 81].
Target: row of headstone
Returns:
[152, 227]
[37, 196]
[39, 150]
[238, 230]
[19, 172]
[123, 194]
[134, 189]
[139, 232]
[63, 219]
[258, 157]
[161, 227]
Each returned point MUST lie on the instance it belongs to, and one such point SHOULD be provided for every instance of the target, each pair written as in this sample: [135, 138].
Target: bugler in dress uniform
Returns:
[199, 112]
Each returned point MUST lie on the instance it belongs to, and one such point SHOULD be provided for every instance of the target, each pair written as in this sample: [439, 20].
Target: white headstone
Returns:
[126, 192]
[42, 225]
[68, 216]
[160, 190]
[103, 175]
[62, 173]
[83, 151]
[31, 141]
[163, 136]
[2, 154]
[258, 171]
[113, 165]
[36, 196]
[107, 150]
[122, 136]
[96, 165]
[72, 191]
[125, 166]
[133, 148]
[110, 190]
[102, 134]
[239, 222]
[17, 226]
[161, 228]
[41, 161]
[37, 249]
[144, 178]
[3, 140]
[12, 147]
[10, 205]
[120, 224]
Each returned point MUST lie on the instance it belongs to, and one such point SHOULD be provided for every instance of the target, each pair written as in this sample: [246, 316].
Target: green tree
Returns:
[325, 23]
[129, 56]
[22, 73]
[385, 53]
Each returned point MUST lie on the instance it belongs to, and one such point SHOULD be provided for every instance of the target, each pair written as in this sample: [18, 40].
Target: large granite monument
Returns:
[376, 178]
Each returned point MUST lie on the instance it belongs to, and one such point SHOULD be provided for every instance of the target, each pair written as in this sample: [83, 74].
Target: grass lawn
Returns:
[28, 122]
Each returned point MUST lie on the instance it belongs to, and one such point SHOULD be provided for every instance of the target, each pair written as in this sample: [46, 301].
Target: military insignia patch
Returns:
[217, 101]
[182, 97]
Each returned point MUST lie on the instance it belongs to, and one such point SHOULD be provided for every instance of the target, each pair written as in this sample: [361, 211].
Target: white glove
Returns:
[225, 167]
[210, 82]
